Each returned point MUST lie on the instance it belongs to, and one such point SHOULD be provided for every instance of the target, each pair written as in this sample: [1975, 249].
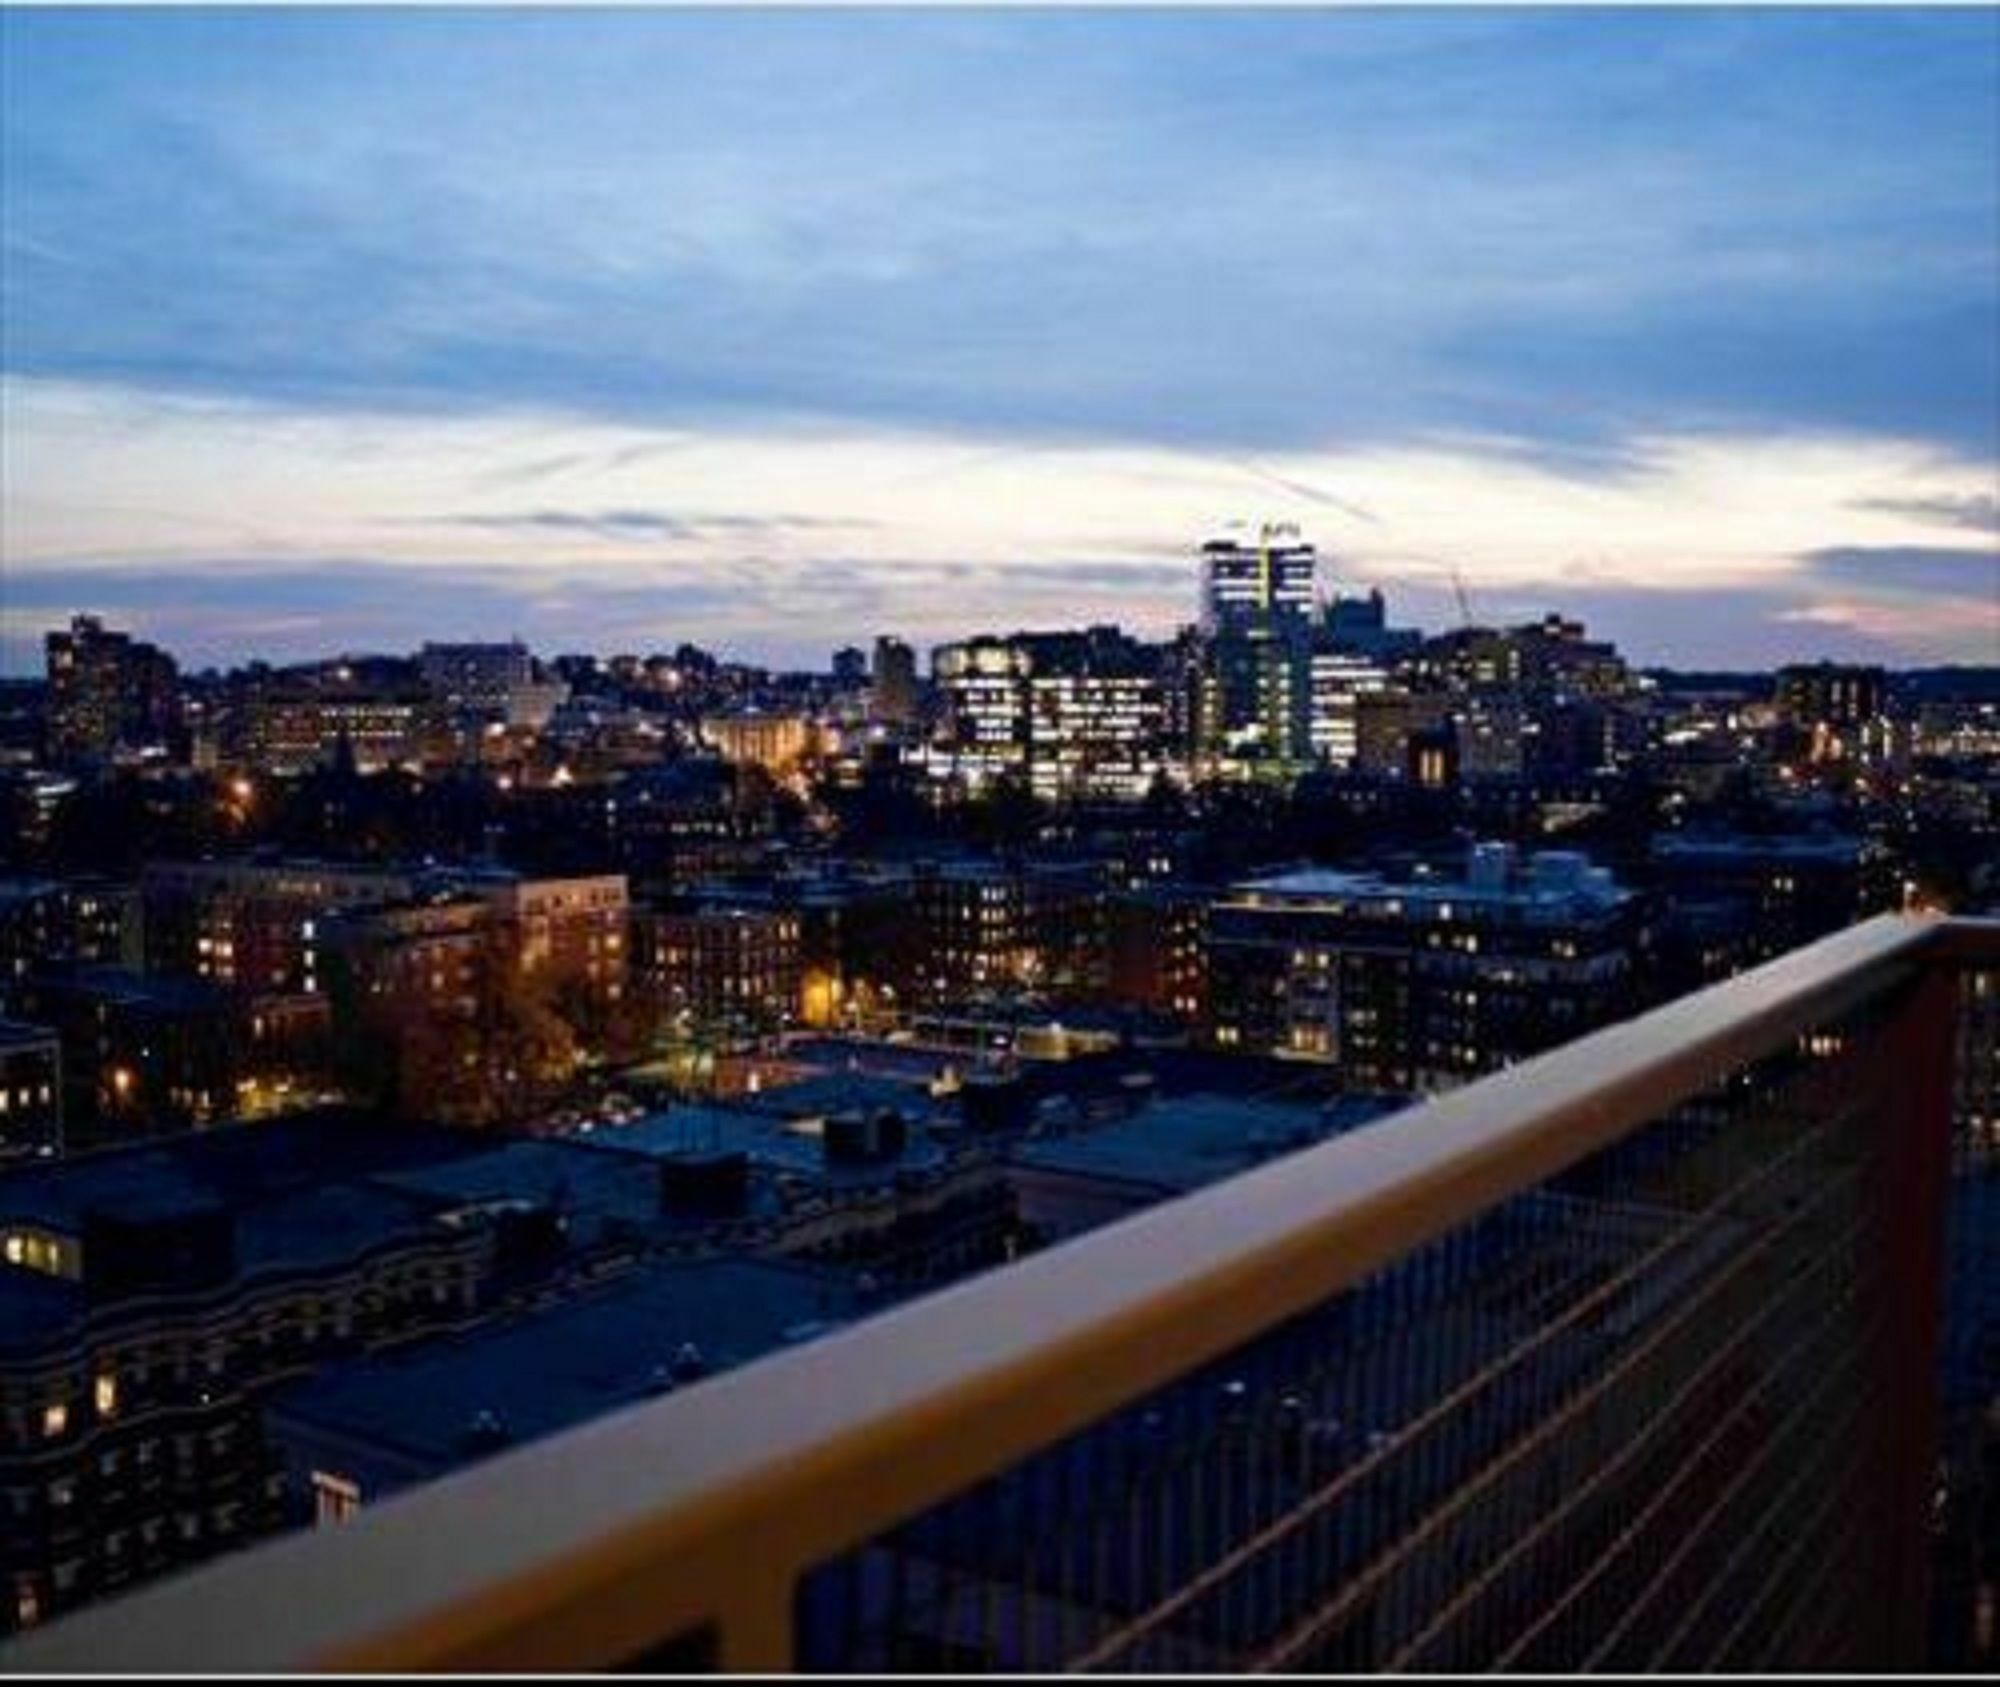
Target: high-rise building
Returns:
[107, 692]
[1775, 892]
[1257, 585]
[1390, 727]
[996, 926]
[1254, 704]
[893, 698]
[473, 1002]
[295, 722]
[982, 684]
[1835, 711]
[1359, 626]
[1548, 660]
[751, 737]
[86, 921]
[146, 1053]
[254, 925]
[1156, 946]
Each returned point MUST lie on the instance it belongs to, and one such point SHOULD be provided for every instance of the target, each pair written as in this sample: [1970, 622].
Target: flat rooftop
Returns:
[240, 1166]
[298, 1191]
[780, 1145]
[840, 1092]
[604, 1188]
[555, 1368]
[1184, 1142]
[1561, 884]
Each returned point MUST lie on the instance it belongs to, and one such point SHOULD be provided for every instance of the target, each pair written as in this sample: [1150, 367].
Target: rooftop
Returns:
[1495, 879]
[780, 1145]
[1830, 848]
[633, 1340]
[297, 1191]
[839, 1092]
[1181, 1143]
[602, 1195]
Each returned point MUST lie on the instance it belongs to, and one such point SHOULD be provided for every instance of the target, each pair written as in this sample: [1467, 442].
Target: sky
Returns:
[775, 330]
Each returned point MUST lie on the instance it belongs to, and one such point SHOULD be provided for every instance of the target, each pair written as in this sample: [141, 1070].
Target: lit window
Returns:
[106, 1394]
[55, 1419]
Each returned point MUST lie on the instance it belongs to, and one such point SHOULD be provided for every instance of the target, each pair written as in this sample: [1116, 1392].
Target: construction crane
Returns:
[1464, 598]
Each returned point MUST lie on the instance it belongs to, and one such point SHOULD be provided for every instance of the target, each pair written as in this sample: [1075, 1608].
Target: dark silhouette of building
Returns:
[107, 692]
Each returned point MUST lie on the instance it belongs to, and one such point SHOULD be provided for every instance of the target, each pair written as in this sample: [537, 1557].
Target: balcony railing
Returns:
[1626, 1356]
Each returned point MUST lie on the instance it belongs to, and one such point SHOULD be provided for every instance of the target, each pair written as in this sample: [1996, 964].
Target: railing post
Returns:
[1920, 1050]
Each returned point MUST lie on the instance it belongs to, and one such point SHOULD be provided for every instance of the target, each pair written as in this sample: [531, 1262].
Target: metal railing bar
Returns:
[1812, 1534]
[1827, 1615]
[1699, 1224]
[1623, 1459]
[1689, 1541]
[1544, 1430]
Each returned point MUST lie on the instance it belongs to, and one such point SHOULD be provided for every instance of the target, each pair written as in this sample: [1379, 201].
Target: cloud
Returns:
[1915, 570]
[250, 509]
[1979, 511]
[1273, 232]
[627, 524]
[354, 327]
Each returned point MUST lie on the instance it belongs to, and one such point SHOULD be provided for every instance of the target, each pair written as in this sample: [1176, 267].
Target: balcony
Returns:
[1634, 1355]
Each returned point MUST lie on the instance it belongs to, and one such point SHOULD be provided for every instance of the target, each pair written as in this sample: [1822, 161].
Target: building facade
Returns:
[1422, 983]
[107, 692]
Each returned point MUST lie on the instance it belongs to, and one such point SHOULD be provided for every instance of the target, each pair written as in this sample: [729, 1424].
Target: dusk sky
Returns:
[775, 330]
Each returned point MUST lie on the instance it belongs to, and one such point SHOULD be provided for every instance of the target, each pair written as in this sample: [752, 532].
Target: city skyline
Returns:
[337, 333]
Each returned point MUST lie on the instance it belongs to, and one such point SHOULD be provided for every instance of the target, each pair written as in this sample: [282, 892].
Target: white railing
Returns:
[697, 1514]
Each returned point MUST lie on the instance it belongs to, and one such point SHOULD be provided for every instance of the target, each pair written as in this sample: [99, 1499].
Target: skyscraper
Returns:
[1257, 603]
[1263, 585]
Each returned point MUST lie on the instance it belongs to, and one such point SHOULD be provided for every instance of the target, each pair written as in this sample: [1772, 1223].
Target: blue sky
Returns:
[337, 330]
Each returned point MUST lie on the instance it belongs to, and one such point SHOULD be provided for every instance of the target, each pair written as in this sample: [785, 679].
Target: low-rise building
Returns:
[82, 921]
[361, 1430]
[143, 1053]
[255, 924]
[995, 927]
[720, 968]
[150, 1297]
[1771, 892]
[1423, 982]
[31, 1091]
